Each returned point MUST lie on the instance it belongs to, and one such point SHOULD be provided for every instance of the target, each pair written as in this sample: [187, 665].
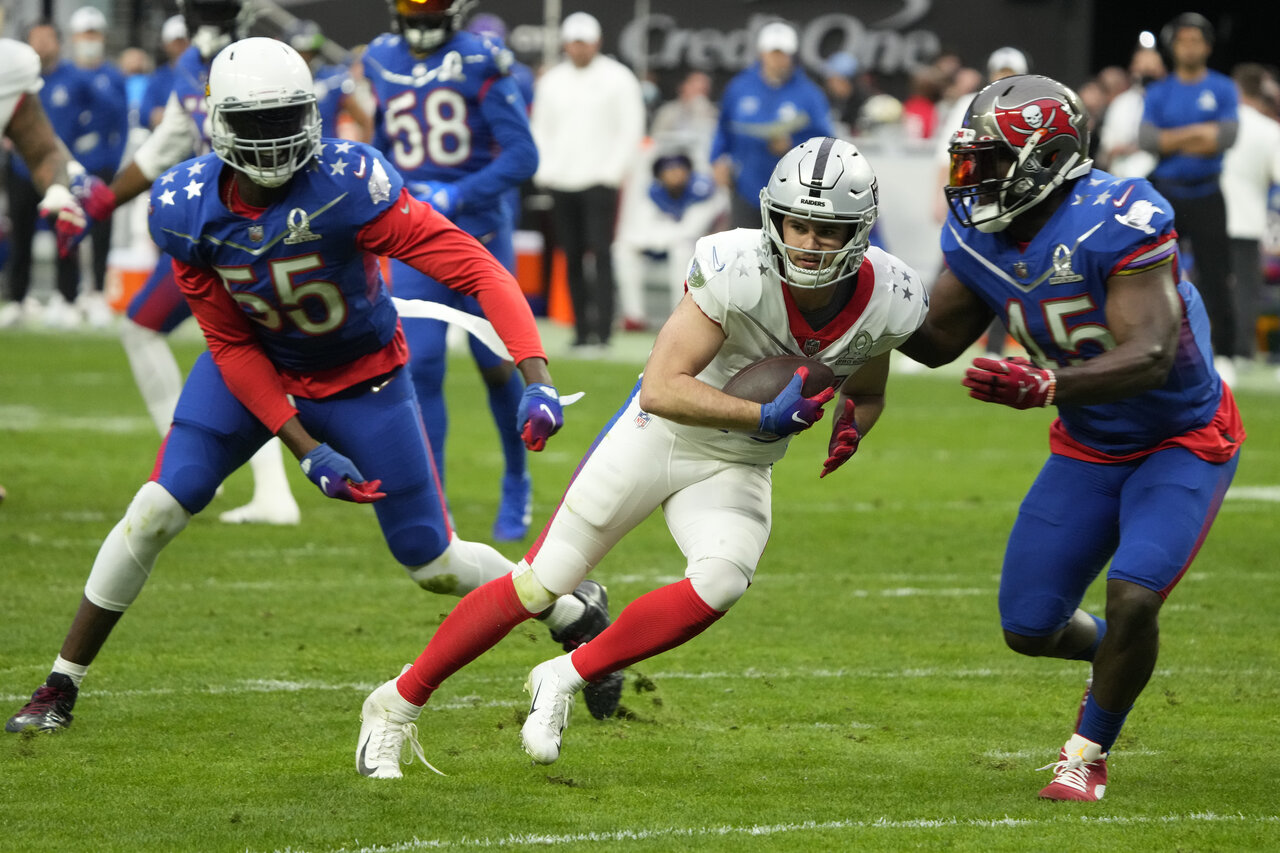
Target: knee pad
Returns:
[462, 567]
[418, 545]
[718, 582]
[128, 553]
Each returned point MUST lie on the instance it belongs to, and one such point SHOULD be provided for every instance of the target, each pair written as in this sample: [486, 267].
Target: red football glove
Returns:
[1014, 382]
[844, 440]
[91, 201]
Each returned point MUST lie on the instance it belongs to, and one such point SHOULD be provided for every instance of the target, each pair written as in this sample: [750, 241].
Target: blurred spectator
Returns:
[845, 99]
[1189, 119]
[660, 221]
[99, 147]
[335, 88]
[1118, 150]
[1113, 79]
[689, 121]
[919, 110]
[136, 66]
[767, 109]
[174, 41]
[1249, 170]
[65, 96]
[588, 122]
[880, 114]
[1093, 95]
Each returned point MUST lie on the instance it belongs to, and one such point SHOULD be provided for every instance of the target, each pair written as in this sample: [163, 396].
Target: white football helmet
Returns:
[262, 110]
[822, 180]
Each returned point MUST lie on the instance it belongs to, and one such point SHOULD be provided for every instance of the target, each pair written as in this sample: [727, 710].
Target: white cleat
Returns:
[549, 707]
[384, 734]
[262, 512]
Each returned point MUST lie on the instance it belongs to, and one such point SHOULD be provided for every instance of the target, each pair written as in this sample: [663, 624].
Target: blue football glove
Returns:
[791, 411]
[539, 416]
[338, 477]
[445, 198]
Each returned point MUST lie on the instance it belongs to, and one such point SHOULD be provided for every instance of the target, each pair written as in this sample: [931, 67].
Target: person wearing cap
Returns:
[767, 109]
[335, 87]
[660, 221]
[840, 81]
[174, 41]
[99, 145]
[588, 122]
[1189, 119]
[64, 96]
[1118, 149]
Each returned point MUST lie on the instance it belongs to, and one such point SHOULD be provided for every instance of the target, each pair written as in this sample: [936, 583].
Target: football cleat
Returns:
[549, 706]
[50, 707]
[603, 695]
[282, 512]
[385, 736]
[1079, 773]
[515, 511]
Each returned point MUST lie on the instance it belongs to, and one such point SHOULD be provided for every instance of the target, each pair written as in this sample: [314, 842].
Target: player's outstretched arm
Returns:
[955, 320]
[539, 415]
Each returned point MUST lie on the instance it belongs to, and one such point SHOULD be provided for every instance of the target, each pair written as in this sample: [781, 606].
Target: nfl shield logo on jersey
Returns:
[811, 346]
[256, 233]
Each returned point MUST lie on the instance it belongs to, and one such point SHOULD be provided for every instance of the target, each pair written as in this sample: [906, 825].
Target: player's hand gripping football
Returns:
[89, 201]
[338, 477]
[1012, 381]
[539, 416]
[791, 411]
[844, 440]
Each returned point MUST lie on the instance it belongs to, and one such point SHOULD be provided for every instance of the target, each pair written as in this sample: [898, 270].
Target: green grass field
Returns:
[859, 697]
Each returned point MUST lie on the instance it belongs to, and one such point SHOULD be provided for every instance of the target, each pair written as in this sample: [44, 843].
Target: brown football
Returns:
[763, 380]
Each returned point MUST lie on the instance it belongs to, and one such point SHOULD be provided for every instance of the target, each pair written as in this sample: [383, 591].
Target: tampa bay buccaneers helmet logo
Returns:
[1043, 118]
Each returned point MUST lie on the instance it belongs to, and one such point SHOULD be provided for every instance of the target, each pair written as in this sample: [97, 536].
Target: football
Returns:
[763, 380]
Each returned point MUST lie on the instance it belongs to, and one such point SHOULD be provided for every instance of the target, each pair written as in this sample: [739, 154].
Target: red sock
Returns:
[654, 622]
[476, 624]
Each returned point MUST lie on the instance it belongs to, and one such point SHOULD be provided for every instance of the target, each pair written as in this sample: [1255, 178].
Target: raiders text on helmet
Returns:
[1023, 137]
[822, 180]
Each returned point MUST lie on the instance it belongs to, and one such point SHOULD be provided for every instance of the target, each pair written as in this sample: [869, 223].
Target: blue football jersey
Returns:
[103, 128]
[1052, 297]
[66, 96]
[456, 117]
[316, 298]
[332, 83]
[191, 85]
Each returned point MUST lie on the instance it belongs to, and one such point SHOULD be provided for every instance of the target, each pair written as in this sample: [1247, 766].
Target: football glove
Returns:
[338, 477]
[90, 201]
[539, 416]
[445, 198]
[844, 440]
[1014, 382]
[791, 411]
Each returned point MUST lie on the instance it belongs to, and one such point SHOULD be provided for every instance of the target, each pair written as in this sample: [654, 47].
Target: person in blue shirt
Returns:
[335, 88]
[104, 129]
[174, 41]
[1189, 119]
[766, 110]
[1083, 268]
[65, 96]
[452, 121]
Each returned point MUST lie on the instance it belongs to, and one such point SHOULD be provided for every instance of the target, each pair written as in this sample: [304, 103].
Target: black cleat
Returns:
[49, 709]
[603, 695]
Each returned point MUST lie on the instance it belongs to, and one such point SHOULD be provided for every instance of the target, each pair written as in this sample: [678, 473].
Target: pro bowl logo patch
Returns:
[696, 277]
[1046, 117]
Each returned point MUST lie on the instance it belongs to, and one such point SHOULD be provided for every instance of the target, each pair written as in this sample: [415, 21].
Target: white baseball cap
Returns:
[88, 19]
[778, 35]
[1007, 59]
[174, 29]
[580, 26]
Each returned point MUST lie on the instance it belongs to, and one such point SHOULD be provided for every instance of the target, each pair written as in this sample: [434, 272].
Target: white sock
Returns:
[270, 485]
[568, 673]
[562, 614]
[155, 371]
[74, 671]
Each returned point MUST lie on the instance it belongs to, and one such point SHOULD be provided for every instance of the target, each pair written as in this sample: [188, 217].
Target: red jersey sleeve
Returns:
[413, 232]
[249, 374]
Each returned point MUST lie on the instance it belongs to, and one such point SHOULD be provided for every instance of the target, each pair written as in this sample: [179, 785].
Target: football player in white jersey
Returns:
[807, 283]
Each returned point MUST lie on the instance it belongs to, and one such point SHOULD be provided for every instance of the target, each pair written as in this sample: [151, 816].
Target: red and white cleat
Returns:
[1079, 774]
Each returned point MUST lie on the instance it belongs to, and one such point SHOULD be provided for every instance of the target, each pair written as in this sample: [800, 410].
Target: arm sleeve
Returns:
[414, 233]
[173, 141]
[249, 374]
[504, 109]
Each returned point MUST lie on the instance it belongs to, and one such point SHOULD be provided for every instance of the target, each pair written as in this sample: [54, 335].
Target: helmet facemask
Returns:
[267, 143]
[427, 24]
[834, 265]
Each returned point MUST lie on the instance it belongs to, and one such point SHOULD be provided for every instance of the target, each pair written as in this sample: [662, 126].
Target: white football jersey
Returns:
[19, 75]
[728, 282]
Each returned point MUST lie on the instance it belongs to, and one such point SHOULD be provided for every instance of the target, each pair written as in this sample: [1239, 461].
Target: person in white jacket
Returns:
[660, 221]
[588, 121]
[1249, 168]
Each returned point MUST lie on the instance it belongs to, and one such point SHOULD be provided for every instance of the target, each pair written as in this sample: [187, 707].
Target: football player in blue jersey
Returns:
[451, 119]
[158, 308]
[1083, 269]
[335, 87]
[274, 239]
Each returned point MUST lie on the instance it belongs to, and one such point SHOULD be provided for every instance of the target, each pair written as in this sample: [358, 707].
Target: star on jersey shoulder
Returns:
[338, 167]
[167, 177]
[342, 148]
[193, 188]
[166, 197]
[195, 168]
